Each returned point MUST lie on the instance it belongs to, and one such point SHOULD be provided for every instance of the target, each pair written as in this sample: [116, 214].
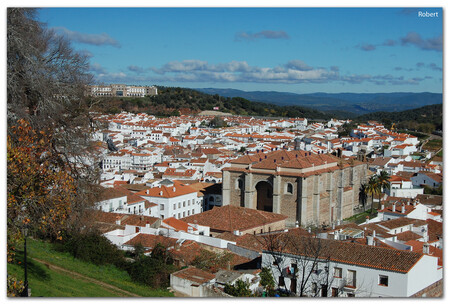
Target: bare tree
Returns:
[301, 259]
[46, 81]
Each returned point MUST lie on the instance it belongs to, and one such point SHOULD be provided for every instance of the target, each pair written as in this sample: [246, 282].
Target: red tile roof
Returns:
[230, 218]
[194, 275]
[177, 189]
[150, 240]
[177, 224]
[353, 253]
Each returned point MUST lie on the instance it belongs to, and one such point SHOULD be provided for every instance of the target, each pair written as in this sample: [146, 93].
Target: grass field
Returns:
[361, 217]
[433, 145]
[45, 281]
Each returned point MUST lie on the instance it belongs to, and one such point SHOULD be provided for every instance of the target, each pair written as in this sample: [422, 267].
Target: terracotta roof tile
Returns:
[195, 275]
[230, 218]
[356, 254]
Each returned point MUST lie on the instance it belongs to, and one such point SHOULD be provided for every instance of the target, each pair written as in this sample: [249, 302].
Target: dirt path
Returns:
[114, 289]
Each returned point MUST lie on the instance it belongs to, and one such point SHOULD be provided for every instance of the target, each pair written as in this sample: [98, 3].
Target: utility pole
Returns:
[25, 290]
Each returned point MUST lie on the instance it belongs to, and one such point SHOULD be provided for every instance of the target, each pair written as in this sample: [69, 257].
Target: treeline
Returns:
[175, 101]
[425, 119]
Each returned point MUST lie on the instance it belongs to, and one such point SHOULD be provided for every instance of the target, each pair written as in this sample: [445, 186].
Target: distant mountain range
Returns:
[356, 103]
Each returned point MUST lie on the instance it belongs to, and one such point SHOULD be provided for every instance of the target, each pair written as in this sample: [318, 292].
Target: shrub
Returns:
[93, 247]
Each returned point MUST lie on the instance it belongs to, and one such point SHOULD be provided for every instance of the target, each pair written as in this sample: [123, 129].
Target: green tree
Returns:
[363, 194]
[238, 289]
[267, 281]
[373, 189]
[217, 122]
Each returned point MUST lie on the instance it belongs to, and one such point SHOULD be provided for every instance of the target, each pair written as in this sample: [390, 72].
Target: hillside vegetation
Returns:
[425, 119]
[176, 101]
[356, 103]
[52, 273]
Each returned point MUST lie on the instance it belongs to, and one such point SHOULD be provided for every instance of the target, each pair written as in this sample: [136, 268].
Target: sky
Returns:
[299, 50]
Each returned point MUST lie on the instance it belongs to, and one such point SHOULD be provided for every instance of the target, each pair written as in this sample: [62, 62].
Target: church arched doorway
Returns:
[264, 194]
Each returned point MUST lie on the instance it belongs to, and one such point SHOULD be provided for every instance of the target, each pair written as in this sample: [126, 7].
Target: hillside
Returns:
[357, 103]
[52, 273]
[425, 119]
[176, 101]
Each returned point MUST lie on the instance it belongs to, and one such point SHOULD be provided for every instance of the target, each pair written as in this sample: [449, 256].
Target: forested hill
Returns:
[357, 103]
[176, 101]
[425, 119]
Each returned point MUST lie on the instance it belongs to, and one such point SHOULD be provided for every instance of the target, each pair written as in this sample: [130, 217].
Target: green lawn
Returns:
[45, 281]
[361, 217]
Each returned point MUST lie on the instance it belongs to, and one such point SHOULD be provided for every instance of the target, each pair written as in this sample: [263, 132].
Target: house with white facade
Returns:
[345, 269]
[178, 200]
[429, 179]
[402, 187]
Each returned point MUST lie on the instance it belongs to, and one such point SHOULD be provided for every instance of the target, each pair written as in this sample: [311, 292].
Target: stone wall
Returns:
[435, 290]
[320, 199]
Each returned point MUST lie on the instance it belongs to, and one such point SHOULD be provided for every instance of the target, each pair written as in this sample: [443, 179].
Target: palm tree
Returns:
[373, 188]
[363, 194]
[383, 180]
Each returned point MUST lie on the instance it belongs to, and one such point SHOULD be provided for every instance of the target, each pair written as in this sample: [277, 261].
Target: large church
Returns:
[311, 189]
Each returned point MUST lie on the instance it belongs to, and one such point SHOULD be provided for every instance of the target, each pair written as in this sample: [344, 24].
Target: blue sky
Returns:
[300, 50]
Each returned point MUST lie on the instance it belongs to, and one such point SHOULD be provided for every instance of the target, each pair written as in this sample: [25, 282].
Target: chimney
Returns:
[370, 240]
[309, 229]
[409, 202]
[118, 221]
[333, 225]
[296, 224]
[336, 235]
[382, 206]
[148, 191]
[393, 207]
[374, 234]
[160, 193]
[236, 232]
[190, 229]
[174, 189]
[426, 248]
[147, 225]
[403, 208]
[367, 219]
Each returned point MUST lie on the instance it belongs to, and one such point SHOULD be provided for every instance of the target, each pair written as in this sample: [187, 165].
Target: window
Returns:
[334, 292]
[324, 291]
[337, 272]
[315, 268]
[239, 184]
[383, 280]
[184, 214]
[179, 204]
[189, 212]
[174, 206]
[184, 203]
[289, 188]
[351, 278]
[314, 288]
[161, 207]
[189, 202]
[281, 281]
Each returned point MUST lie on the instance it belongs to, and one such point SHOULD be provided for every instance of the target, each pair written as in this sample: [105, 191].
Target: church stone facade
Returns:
[311, 189]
